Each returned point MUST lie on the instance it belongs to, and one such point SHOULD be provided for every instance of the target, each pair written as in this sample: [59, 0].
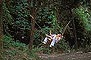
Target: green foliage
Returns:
[84, 16]
[22, 24]
[34, 51]
[8, 41]
[16, 18]
[15, 50]
[17, 13]
[22, 15]
[63, 46]
[46, 50]
[55, 26]
[48, 19]
[44, 16]
[7, 17]
[37, 38]
[46, 30]
[42, 49]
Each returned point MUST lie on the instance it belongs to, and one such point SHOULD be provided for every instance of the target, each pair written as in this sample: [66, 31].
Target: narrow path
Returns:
[70, 56]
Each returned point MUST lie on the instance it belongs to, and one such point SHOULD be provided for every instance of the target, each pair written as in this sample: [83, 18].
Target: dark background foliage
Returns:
[50, 15]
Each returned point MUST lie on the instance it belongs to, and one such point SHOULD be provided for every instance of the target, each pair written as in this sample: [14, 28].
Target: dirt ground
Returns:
[66, 56]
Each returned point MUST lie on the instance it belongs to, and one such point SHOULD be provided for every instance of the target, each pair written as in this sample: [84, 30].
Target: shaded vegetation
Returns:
[17, 51]
[24, 24]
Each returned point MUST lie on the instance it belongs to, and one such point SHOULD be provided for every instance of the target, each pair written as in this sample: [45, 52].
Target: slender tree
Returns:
[1, 29]
[33, 14]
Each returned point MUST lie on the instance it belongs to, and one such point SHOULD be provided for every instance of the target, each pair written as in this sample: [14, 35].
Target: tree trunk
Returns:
[75, 37]
[32, 28]
[1, 25]
[1, 29]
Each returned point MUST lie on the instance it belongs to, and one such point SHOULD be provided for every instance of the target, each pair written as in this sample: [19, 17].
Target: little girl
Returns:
[55, 38]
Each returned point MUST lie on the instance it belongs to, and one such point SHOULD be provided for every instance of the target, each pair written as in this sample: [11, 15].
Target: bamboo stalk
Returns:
[66, 27]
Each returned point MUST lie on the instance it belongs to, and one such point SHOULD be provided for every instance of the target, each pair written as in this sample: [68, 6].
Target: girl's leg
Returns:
[45, 40]
[52, 43]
